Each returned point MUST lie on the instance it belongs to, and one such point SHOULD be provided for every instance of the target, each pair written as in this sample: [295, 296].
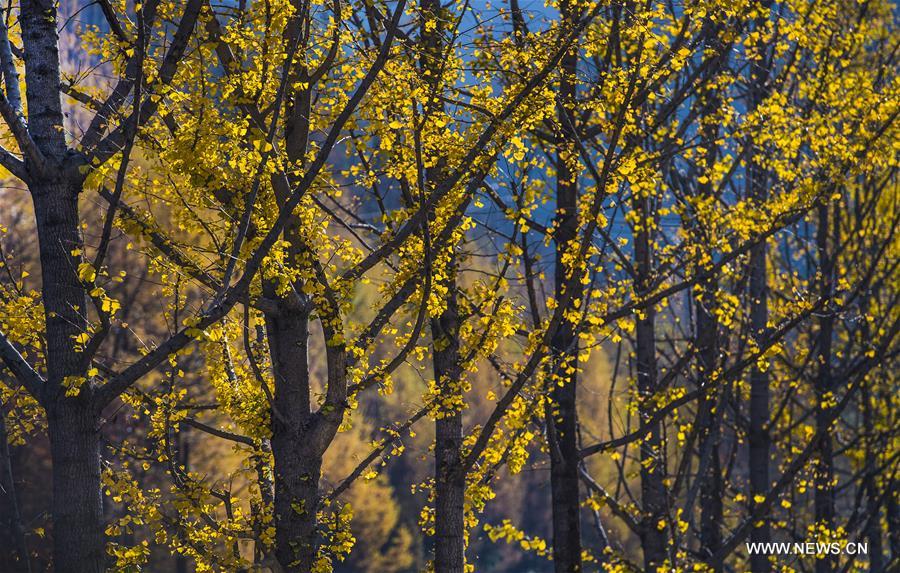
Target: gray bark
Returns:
[297, 465]
[79, 544]
[78, 538]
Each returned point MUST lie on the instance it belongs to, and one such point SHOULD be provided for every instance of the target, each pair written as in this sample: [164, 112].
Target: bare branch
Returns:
[115, 26]
[224, 434]
[36, 160]
[13, 164]
[21, 369]
[367, 461]
[8, 66]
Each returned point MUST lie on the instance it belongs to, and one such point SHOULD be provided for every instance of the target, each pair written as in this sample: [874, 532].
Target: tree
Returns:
[55, 176]
[281, 234]
[562, 417]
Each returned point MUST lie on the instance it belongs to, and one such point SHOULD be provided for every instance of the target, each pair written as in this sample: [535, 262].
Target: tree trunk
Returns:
[562, 415]
[709, 479]
[78, 533]
[449, 527]
[77, 506]
[40, 39]
[298, 465]
[297, 474]
[824, 471]
[873, 503]
[759, 439]
[711, 487]
[653, 490]
[450, 483]
[78, 537]
[564, 486]
[892, 509]
[65, 304]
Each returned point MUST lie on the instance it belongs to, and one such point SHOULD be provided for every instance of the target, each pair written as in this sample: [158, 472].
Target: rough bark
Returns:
[77, 503]
[562, 417]
[65, 305]
[38, 19]
[75, 440]
[297, 474]
[78, 538]
[297, 466]
[297, 461]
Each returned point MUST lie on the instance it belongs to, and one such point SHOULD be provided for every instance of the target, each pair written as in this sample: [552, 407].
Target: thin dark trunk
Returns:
[12, 533]
[297, 460]
[653, 490]
[564, 486]
[184, 459]
[824, 471]
[892, 509]
[711, 487]
[449, 527]
[873, 503]
[759, 438]
[562, 416]
[873, 529]
[760, 442]
[710, 483]
[78, 538]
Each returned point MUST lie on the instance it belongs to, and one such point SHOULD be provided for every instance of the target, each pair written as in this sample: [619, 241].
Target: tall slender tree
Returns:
[449, 479]
[756, 182]
[562, 413]
[55, 175]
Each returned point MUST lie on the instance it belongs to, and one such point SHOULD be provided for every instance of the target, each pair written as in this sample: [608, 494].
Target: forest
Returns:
[449, 286]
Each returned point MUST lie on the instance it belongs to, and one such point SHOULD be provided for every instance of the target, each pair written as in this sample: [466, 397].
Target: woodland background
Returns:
[582, 285]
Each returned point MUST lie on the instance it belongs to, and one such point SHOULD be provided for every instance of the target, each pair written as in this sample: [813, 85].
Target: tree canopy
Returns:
[381, 286]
